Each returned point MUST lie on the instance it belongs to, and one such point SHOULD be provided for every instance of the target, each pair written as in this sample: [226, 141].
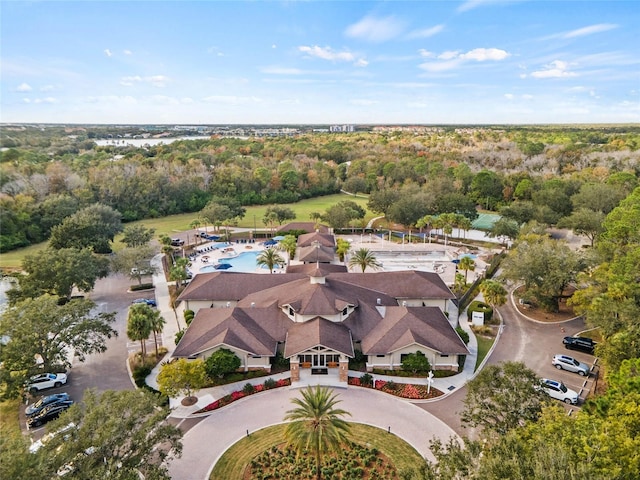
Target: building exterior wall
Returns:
[393, 361]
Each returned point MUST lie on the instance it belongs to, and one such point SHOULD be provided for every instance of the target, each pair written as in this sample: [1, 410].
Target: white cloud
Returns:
[451, 59]
[46, 100]
[327, 53]
[274, 46]
[590, 30]
[158, 81]
[426, 32]
[509, 96]
[26, 100]
[107, 52]
[484, 54]
[555, 69]
[448, 55]
[127, 52]
[426, 53]
[361, 62]
[526, 96]
[47, 88]
[164, 100]
[471, 4]
[372, 29]
[24, 87]
[215, 51]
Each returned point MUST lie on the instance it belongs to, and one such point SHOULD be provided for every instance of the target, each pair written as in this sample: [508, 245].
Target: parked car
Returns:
[583, 344]
[565, 362]
[559, 391]
[36, 407]
[149, 301]
[48, 413]
[46, 380]
[176, 242]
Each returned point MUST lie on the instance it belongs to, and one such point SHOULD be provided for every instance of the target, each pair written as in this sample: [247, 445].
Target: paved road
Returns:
[108, 370]
[526, 341]
[205, 442]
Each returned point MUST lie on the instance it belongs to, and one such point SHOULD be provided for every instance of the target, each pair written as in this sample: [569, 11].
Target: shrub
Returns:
[269, 383]
[416, 362]
[140, 373]
[464, 335]
[221, 362]
[188, 316]
[179, 335]
[477, 306]
[249, 389]
[366, 380]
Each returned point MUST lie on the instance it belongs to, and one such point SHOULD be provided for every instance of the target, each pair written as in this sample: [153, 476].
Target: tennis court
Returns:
[485, 221]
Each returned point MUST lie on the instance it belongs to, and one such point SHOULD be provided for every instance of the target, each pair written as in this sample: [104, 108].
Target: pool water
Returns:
[244, 262]
[470, 255]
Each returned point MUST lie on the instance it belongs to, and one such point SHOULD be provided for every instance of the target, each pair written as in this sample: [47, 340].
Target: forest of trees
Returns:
[549, 174]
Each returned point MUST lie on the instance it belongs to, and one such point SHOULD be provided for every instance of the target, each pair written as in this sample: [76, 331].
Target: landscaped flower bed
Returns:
[245, 392]
[404, 390]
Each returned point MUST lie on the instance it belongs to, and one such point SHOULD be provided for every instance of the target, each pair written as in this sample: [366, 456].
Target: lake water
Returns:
[141, 142]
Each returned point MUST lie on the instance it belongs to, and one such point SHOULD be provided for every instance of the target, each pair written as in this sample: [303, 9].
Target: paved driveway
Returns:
[209, 439]
[532, 343]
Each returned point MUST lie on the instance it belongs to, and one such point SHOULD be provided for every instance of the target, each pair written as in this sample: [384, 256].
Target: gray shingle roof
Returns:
[323, 238]
[314, 253]
[318, 332]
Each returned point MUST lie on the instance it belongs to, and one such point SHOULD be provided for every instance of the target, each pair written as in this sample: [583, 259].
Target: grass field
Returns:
[232, 464]
[484, 345]
[178, 223]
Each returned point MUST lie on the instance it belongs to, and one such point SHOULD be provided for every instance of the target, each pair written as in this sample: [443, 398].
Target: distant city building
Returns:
[341, 128]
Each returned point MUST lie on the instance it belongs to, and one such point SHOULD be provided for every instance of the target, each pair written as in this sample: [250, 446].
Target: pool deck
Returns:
[420, 256]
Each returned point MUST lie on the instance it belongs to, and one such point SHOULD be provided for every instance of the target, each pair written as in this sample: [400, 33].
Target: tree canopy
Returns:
[40, 331]
[94, 226]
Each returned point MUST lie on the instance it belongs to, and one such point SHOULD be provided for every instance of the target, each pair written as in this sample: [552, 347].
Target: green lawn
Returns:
[484, 344]
[232, 464]
[177, 223]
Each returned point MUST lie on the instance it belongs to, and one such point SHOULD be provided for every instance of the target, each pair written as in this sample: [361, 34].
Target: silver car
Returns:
[559, 391]
[565, 362]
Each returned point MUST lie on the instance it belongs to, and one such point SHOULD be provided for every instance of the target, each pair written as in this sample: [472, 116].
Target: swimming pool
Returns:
[207, 247]
[244, 262]
[472, 256]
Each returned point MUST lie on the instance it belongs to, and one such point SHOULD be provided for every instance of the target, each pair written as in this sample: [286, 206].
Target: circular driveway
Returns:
[208, 440]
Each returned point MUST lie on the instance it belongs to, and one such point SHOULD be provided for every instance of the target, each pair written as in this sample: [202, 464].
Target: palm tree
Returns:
[270, 258]
[156, 323]
[466, 264]
[363, 258]
[493, 292]
[316, 424]
[342, 248]
[289, 244]
[195, 224]
[138, 325]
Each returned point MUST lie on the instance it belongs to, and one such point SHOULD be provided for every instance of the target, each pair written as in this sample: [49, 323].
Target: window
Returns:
[444, 355]
[403, 356]
[380, 356]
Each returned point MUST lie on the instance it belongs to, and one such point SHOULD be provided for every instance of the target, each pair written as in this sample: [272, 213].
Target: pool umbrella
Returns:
[223, 266]
[278, 238]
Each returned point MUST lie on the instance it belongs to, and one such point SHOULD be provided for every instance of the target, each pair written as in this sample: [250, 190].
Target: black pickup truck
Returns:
[583, 344]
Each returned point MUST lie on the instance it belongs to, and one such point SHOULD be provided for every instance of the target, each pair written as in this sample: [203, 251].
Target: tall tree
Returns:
[584, 222]
[503, 397]
[289, 244]
[139, 325]
[316, 424]
[137, 235]
[57, 272]
[342, 248]
[41, 329]
[546, 266]
[94, 226]
[282, 213]
[364, 259]
[135, 262]
[182, 376]
[117, 435]
[493, 292]
[270, 258]
[467, 263]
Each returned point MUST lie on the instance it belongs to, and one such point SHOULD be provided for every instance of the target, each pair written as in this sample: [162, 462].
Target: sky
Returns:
[320, 62]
